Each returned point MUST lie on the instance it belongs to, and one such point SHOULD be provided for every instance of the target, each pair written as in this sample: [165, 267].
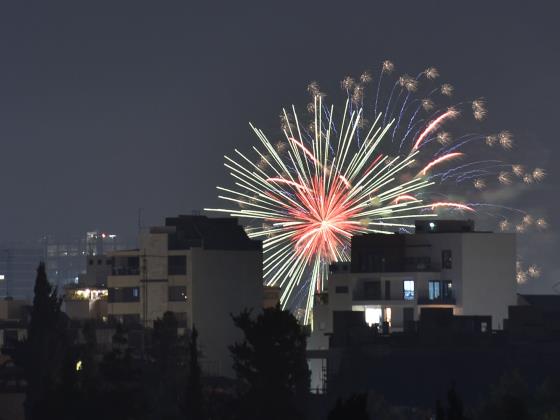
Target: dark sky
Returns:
[111, 106]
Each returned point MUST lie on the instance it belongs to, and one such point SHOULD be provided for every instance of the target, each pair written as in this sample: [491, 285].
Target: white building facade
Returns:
[201, 269]
[444, 264]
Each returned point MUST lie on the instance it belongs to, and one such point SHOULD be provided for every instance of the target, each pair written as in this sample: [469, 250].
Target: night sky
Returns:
[111, 106]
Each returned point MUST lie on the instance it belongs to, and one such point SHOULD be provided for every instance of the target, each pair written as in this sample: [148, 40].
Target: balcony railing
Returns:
[372, 296]
[125, 271]
[441, 300]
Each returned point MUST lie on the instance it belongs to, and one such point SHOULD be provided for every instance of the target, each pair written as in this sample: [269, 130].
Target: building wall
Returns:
[438, 242]
[489, 282]
[223, 283]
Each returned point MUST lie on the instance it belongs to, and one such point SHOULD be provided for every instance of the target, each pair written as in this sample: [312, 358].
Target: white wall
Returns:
[489, 282]
[223, 283]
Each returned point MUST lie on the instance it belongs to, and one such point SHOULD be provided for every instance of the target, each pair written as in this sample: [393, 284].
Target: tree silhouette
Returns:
[354, 408]
[44, 352]
[168, 369]
[271, 365]
[194, 400]
[455, 405]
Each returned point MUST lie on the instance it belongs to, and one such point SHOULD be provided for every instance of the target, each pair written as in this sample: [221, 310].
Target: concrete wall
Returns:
[489, 281]
[223, 283]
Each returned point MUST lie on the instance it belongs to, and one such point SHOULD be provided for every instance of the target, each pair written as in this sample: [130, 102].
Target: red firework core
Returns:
[322, 215]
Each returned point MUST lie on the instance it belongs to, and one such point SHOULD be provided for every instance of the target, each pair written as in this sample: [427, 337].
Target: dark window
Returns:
[387, 289]
[447, 289]
[125, 266]
[133, 262]
[446, 259]
[10, 339]
[434, 289]
[123, 294]
[341, 289]
[99, 262]
[177, 293]
[177, 264]
[90, 262]
[372, 289]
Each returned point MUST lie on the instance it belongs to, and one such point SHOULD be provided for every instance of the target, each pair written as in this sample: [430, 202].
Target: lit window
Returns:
[373, 316]
[388, 315]
[2, 277]
[434, 289]
[408, 286]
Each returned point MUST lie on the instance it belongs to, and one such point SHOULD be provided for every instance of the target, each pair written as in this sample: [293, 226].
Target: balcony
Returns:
[125, 271]
[360, 296]
[441, 300]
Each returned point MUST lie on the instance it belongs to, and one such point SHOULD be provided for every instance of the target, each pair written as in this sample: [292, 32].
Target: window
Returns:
[373, 316]
[387, 289]
[408, 290]
[446, 259]
[341, 289]
[483, 327]
[123, 294]
[177, 293]
[372, 289]
[388, 315]
[447, 289]
[177, 264]
[434, 289]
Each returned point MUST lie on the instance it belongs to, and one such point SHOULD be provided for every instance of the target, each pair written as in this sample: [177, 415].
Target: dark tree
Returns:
[169, 367]
[271, 365]
[510, 399]
[122, 392]
[44, 353]
[354, 408]
[440, 415]
[194, 399]
[455, 405]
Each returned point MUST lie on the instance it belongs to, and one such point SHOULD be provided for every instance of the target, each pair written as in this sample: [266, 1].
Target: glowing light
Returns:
[504, 178]
[451, 113]
[431, 73]
[479, 184]
[446, 89]
[439, 160]
[458, 206]
[505, 139]
[538, 174]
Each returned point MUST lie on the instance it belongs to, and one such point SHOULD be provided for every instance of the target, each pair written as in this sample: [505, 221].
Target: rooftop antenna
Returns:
[140, 210]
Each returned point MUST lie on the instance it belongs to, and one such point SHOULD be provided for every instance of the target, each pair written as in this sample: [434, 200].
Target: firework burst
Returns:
[339, 175]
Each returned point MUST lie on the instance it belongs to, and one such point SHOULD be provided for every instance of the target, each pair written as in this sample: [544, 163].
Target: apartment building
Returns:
[201, 269]
[445, 263]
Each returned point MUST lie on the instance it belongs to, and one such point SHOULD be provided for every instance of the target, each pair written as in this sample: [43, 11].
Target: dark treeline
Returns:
[69, 377]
